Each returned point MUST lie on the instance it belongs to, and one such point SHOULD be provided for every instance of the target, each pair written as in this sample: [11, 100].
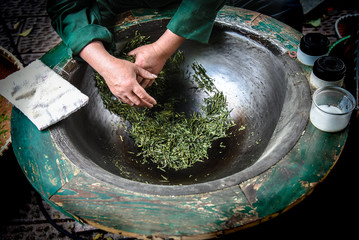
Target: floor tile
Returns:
[28, 58]
[16, 8]
[41, 38]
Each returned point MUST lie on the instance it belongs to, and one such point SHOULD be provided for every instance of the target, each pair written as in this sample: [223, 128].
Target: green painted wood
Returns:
[146, 214]
[243, 16]
[57, 56]
[199, 215]
[141, 16]
[46, 169]
[297, 174]
[268, 27]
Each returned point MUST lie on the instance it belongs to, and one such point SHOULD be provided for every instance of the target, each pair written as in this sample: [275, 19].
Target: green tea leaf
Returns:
[25, 33]
[169, 138]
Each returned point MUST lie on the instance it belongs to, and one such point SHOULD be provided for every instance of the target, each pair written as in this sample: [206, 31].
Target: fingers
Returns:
[132, 53]
[138, 97]
[129, 85]
[144, 82]
[133, 100]
[146, 99]
[145, 78]
[145, 74]
[126, 100]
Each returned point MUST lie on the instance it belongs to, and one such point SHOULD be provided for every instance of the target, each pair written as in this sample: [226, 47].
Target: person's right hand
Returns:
[120, 75]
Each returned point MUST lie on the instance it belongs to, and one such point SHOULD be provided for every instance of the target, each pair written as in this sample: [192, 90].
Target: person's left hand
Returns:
[149, 57]
[152, 57]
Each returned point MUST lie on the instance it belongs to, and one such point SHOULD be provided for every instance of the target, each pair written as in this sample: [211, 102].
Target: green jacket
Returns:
[78, 22]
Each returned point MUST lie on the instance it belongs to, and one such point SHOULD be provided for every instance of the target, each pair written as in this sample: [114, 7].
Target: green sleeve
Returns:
[78, 22]
[194, 19]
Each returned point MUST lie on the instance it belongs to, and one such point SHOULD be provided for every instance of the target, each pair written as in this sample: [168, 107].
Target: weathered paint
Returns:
[177, 215]
[45, 167]
[197, 216]
[57, 56]
[242, 16]
[288, 181]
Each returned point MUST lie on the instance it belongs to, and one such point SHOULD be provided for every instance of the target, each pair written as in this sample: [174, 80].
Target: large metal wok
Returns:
[270, 102]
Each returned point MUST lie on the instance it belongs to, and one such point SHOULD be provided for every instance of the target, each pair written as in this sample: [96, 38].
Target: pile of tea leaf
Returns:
[169, 138]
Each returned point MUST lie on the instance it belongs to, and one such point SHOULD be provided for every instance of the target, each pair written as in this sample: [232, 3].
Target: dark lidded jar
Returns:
[311, 47]
[328, 71]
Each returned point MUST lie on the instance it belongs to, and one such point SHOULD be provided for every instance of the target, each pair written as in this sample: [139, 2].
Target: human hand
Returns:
[122, 77]
[151, 58]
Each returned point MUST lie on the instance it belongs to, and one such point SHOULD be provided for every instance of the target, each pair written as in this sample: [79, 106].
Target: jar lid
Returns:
[314, 44]
[329, 68]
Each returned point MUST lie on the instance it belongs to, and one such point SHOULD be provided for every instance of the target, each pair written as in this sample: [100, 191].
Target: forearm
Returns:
[168, 43]
[97, 57]
[152, 57]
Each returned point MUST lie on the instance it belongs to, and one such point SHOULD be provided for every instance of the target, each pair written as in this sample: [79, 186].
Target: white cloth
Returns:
[41, 94]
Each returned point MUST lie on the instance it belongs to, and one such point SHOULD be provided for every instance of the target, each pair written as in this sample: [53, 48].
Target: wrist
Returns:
[168, 43]
[96, 56]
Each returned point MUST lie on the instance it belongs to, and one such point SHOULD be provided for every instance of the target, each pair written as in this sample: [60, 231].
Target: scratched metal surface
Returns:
[262, 85]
